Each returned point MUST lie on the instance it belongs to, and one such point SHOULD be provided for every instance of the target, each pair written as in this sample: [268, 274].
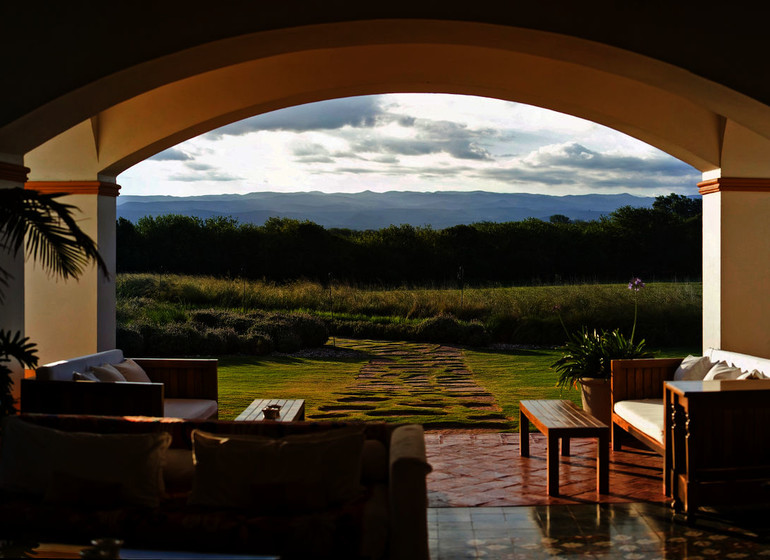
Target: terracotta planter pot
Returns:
[595, 394]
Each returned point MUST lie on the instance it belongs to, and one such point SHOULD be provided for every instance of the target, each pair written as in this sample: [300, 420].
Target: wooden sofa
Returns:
[385, 519]
[712, 434]
[184, 388]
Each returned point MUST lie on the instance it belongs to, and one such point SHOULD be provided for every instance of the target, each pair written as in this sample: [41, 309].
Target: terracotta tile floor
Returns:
[488, 502]
[475, 468]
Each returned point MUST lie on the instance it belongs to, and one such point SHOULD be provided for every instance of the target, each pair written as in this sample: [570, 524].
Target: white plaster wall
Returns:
[61, 316]
[106, 241]
[745, 272]
[712, 271]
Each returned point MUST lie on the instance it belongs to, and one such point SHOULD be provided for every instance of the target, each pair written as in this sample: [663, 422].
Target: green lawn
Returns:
[509, 375]
[242, 379]
[514, 375]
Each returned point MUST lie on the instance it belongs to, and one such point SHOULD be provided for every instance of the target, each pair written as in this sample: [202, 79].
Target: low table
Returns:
[559, 419]
[291, 410]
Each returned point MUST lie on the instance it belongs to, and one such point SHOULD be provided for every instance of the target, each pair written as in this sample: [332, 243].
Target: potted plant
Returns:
[586, 359]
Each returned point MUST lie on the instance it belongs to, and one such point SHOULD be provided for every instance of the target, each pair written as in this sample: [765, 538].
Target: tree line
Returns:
[658, 243]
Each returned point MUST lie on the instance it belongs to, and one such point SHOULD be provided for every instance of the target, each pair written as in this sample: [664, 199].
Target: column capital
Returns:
[734, 184]
[75, 187]
[13, 172]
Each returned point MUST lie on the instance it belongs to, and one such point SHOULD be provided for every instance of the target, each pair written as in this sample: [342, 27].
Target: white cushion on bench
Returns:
[63, 369]
[646, 415]
[190, 409]
[744, 361]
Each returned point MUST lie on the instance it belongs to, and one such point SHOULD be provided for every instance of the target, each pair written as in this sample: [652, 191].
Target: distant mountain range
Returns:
[369, 210]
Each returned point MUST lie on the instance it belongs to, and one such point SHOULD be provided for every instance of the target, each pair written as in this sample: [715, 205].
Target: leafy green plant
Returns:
[589, 353]
[13, 347]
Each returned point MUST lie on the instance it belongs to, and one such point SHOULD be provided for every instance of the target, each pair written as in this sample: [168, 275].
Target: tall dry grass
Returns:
[669, 313]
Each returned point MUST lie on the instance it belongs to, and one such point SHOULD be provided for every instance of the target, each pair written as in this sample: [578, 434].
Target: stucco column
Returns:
[13, 174]
[736, 264]
[75, 317]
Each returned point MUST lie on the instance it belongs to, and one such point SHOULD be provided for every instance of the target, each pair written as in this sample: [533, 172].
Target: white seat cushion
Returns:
[193, 409]
[744, 361]
[646, 415]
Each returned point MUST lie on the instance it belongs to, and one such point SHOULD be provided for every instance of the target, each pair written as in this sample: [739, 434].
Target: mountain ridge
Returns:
[371, 210]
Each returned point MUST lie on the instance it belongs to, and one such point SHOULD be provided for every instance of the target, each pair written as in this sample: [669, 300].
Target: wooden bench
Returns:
[291, 410]
[562, 420]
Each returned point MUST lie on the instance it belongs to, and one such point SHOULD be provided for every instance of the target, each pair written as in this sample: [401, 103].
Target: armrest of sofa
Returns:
[641, 378]
[83, 397]
[183, 378]
[408, 494]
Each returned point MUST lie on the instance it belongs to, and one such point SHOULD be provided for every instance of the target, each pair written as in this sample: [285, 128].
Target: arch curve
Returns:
[115, 122]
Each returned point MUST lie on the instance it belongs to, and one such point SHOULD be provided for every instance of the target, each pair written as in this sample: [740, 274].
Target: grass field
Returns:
[509, 375]
[669, 312]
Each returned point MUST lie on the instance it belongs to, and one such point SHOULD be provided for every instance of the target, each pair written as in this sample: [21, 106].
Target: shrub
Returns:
[474, 334]
[130, 340]
[443, 328]
[176, 339]
[256, 343]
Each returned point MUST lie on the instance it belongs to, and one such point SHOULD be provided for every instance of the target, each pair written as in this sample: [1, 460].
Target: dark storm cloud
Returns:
[172, 154]
[358, 112]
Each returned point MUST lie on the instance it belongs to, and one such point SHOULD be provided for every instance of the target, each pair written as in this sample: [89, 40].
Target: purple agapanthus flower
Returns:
[636, 284]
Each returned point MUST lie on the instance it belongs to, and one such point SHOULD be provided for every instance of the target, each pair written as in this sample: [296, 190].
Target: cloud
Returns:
[572, 164]
[315, 159]
[203, 176]
[172, 154]
[198, 166]
[357, 112]
[577, 156]
[431, 137]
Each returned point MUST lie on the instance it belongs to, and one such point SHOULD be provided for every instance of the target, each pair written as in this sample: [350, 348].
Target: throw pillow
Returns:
[722, 370]
[302, 472]
[84, 376]
[227, 466]
[73, 490]
[106, 372]
[39, 460]
[132, 371]
[755, 374]
[693, 368]
[178, 470]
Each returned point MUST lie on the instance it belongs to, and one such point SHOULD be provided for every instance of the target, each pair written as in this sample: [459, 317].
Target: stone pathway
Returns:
[424, 383]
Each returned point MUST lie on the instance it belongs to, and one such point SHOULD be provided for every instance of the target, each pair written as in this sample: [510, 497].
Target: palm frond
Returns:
[15, 346]
[52, 234]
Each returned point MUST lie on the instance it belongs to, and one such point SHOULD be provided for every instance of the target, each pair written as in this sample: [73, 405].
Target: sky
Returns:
[411, 142]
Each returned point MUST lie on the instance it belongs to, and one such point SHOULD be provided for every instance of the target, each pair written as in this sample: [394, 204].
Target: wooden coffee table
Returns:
[559, 419]
[291, 410]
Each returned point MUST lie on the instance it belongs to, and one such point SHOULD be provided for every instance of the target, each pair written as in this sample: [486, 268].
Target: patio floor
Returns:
[488, 502]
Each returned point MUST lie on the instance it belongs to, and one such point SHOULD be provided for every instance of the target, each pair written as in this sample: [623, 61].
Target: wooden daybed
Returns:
[712, 433]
